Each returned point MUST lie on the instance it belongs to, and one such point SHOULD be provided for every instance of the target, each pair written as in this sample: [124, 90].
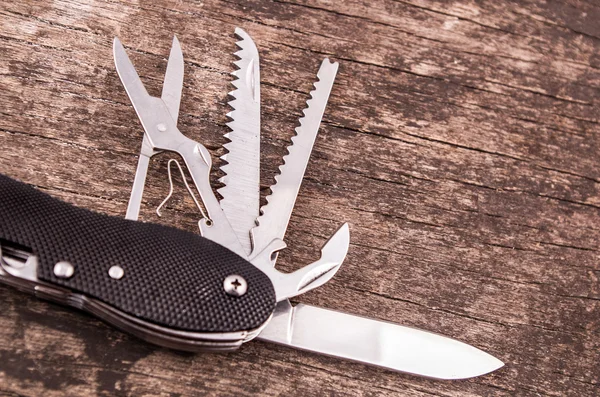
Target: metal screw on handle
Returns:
[63, 269]
[235, 285]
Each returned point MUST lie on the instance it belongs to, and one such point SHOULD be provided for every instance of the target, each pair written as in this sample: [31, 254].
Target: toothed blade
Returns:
[241, 193]
[274, 218]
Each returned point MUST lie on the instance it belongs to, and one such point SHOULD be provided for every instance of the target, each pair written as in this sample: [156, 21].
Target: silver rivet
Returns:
[63, 270]
[116, 272]
[161, 127]
[235, 285]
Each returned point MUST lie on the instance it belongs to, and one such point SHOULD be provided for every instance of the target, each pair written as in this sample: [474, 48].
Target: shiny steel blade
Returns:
[173, 82]
[139, 181]
[274, 218]
[171, 95]
[376, 342]
[134, 87]
[241, 193]
[140, 98]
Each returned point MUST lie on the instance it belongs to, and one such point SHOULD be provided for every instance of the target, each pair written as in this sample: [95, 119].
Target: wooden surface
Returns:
[461, 143]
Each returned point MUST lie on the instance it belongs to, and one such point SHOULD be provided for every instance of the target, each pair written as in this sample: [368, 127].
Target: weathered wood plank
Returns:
[460, 142]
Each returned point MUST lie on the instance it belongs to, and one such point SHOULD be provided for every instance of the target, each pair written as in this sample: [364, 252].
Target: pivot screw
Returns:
[116, 272]
[235, 285]
[63, 269]
[161, 127]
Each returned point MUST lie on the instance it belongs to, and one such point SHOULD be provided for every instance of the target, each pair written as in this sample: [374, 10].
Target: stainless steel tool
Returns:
[162, 134]
[261, 236]
[220, 289]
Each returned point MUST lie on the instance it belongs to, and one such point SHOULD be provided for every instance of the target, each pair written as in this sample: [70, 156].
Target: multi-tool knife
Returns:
[219, 288]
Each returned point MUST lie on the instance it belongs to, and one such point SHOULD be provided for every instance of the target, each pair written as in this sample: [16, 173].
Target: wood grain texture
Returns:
[461, 142]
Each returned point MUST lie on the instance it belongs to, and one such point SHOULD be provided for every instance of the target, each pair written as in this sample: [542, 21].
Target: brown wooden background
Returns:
[461, 142]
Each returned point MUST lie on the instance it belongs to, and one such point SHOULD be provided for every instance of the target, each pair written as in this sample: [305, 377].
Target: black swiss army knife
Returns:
[219, 288]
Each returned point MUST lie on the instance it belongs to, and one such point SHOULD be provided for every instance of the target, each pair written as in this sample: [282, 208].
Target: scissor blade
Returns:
[274, 218]
[173, 82]
[374, 342]
[131, 81]
[139, 98]
[241, 193]
[171, 96]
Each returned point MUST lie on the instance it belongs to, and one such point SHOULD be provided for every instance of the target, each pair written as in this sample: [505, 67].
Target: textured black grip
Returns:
[172, 278]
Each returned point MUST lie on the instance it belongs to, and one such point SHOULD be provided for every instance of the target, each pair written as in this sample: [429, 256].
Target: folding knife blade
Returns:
[274, 218]
[374, 342]
[241, 193]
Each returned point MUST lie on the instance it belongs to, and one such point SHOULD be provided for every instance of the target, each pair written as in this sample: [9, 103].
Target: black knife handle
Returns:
[172, 279]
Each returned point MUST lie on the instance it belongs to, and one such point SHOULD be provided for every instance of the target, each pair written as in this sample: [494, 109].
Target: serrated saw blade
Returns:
[275, 216]
[241, 193]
